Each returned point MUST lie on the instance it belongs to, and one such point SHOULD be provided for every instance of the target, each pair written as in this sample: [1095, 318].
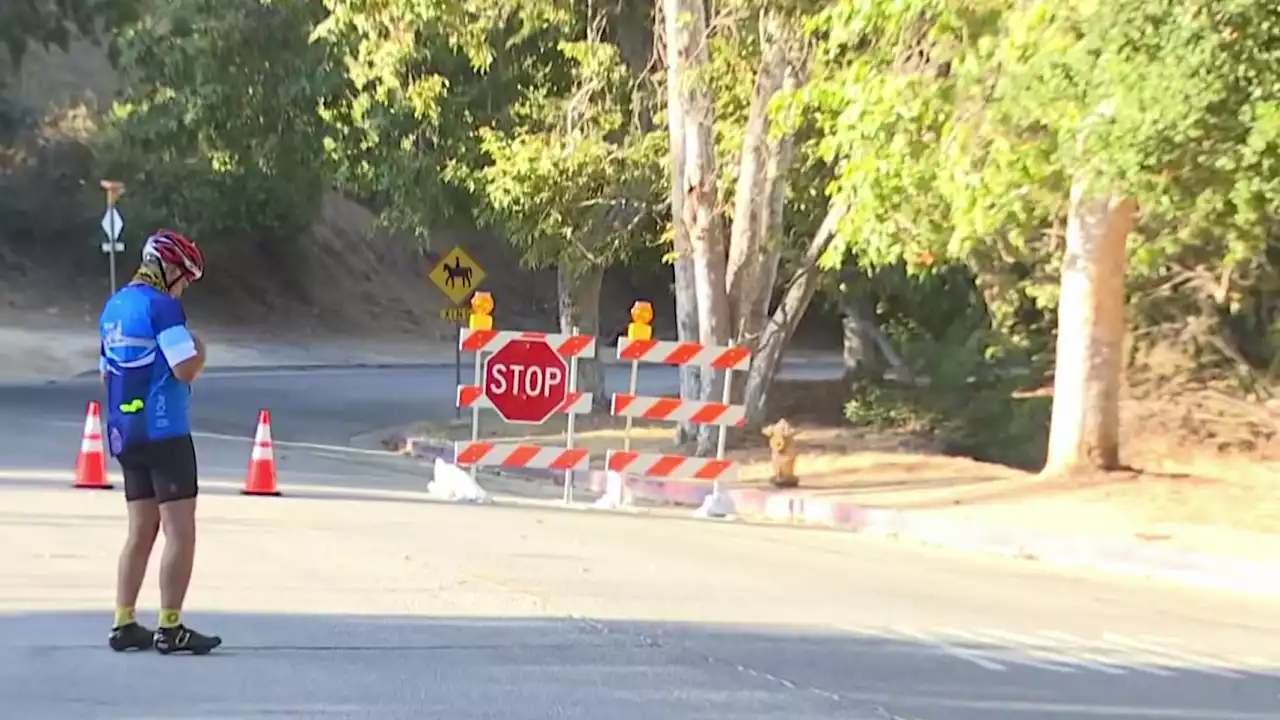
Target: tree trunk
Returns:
[753, 198]
[1085, 430]
[685, 288]
[869, 354]
[687, 51]
[579, 301]
[759, 198]
[862, 357]
[771, 256]
[795, 300]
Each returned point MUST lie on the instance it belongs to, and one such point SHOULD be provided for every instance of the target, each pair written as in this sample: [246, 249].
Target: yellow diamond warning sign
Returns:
[456, 275]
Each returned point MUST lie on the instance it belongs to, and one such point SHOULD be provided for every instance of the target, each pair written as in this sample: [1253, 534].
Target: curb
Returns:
[1184, 566]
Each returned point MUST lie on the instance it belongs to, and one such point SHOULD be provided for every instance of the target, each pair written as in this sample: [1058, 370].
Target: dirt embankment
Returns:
[346, 277]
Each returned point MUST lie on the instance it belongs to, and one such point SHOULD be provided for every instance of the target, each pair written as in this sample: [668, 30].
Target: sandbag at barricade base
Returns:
[616, 495]
[715, 505]
[453, 483]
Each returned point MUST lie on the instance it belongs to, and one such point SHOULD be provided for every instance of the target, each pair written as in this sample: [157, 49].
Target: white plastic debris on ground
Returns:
[615, 495]
[455, 484]
[715, 505]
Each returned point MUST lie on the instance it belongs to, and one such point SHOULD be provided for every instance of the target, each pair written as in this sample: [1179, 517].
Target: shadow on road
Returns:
[56, 665]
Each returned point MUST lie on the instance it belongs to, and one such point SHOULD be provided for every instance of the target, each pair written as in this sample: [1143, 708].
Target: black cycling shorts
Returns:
[162, 470]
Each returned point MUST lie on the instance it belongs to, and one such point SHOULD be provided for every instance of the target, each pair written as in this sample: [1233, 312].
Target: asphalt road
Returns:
[327, 406]
[353, 608]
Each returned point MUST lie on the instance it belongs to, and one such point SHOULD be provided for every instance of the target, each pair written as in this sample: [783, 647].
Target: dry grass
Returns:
[54, 80]
[347, 277]
[350, 278]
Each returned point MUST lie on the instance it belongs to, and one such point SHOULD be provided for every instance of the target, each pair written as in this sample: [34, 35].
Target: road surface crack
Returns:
[881, 713]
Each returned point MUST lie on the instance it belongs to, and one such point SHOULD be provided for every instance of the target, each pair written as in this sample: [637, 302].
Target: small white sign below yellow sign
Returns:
[455, 314]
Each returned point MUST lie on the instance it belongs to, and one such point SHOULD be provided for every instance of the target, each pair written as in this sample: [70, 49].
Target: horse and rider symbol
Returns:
[456, 274]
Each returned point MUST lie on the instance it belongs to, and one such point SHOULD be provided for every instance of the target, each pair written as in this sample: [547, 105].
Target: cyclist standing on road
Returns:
[148, 360]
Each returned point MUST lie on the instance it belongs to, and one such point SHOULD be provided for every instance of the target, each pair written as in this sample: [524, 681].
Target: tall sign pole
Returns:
[457, 275]
[112, 226]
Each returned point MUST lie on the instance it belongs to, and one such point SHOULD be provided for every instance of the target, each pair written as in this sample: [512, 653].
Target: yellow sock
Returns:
[170, 618]
[125, 615]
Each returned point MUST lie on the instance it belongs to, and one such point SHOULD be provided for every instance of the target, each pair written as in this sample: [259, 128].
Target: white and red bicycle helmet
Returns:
[175, 250]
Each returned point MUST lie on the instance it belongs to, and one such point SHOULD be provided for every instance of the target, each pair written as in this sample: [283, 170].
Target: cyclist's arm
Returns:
[102, 361]
[183, 351]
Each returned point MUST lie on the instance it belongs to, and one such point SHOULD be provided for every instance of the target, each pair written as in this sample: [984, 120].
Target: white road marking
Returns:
[1004, 654]
[976, 658]
[1183, 661]
[1254, 664]
[1084, 648]
[1045, 645]
[1038, 646]
[1113, 654]
[337, 450]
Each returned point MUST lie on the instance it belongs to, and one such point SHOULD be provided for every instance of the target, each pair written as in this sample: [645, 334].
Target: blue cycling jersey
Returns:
[143, 335]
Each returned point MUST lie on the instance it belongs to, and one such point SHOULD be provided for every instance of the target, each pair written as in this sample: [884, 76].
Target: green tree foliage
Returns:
[957, 129]
[576, 179]
[424, 76]
[950, 132]
[219, 130]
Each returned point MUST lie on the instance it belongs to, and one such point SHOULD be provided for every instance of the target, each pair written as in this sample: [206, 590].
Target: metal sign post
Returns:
[457, 365]
[457, 276]
[481, 318]
[112, 226]
[573, 387]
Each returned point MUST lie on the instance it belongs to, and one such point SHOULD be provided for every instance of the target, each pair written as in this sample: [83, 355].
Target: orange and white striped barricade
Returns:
[567, 346]
[480, 338]
[510, 455]
[640, 347]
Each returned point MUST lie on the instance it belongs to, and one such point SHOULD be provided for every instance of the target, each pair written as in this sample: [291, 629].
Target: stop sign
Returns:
[526, 381]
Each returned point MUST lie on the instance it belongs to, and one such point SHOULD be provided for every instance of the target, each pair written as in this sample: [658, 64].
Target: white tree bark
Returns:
[755, 218]
[1085, 430]
[782, 324]
[579, 304]
[760, 192]
[771, 254]
[687, 50]
[685, 288]
[755, 245]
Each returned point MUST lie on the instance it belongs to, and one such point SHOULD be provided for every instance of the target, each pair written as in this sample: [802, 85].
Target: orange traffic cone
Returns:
[261, 479]
[91, 463]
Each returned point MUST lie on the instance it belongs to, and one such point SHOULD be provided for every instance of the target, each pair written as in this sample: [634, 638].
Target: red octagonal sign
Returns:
[526, 381]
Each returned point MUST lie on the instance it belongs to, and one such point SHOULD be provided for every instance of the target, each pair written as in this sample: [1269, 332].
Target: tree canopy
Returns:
[895, 157]
[960, 136]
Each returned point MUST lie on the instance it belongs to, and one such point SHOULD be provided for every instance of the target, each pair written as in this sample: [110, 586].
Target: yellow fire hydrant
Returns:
[783, 453]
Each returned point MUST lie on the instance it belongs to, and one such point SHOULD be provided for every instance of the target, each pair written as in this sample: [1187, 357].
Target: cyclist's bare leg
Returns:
[144, 526]
[179, 520]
